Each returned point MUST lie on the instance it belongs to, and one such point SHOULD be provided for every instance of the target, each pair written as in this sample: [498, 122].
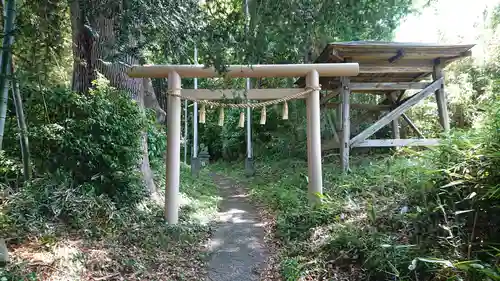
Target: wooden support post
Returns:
[394, 123]
[314, 138]
[441, 97]
[395, 129]
[395, 113]
[338, 117]
[346, 123]
[173, 149]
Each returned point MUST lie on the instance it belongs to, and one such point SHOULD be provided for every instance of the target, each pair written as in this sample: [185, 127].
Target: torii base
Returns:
[249, 167]
[195, 166]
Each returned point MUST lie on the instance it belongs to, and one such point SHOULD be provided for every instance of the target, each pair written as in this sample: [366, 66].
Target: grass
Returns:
[111, 243]
[382, 221]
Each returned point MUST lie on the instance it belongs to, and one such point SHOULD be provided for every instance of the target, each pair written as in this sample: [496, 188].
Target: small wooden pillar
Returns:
[392, 97]
[442, 106]
[345, 92]
[173, 149]
[314, 138]
[338, 118]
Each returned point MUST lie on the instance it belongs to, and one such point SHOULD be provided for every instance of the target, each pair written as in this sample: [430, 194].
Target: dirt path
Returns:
[237, 248]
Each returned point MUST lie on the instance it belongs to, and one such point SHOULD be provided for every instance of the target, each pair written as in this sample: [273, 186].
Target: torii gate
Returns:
[174, 73]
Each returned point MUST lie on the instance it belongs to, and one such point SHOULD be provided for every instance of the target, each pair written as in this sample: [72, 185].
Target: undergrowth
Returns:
[416, 215]
[85, 214]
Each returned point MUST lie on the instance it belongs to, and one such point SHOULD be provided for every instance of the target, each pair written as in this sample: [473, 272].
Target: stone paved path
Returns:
[237, 247]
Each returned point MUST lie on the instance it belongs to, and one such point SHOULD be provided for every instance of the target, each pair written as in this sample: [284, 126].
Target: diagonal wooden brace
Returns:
[395, 113]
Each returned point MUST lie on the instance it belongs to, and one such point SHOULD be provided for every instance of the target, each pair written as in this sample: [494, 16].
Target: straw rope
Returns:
[308, 90]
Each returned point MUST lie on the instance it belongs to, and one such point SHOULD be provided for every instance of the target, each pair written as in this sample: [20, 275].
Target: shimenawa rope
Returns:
[172, 92]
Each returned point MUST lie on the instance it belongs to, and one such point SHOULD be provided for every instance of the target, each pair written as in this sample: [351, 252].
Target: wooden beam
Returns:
[346, 124]
[396, 112]
[371, 107]
[332, 144]
[388, 86]
[413, 126]
[329, 96]
[363, 68]
[256, 71]
[253, 94]
[409, 54]
[398, 142]
[441, 97]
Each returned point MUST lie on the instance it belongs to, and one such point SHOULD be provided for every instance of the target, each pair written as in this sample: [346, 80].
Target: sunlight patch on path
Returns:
[237, 248]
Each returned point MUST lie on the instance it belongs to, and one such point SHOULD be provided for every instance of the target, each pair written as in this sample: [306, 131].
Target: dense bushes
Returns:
[92, 139]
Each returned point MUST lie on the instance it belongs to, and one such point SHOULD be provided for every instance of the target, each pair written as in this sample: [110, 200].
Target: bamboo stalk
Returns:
[9, 16]
[21, 123]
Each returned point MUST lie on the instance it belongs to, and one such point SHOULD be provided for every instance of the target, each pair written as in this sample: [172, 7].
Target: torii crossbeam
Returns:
[174, 73]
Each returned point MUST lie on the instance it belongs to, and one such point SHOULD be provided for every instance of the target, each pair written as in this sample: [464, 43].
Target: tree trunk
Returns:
[93, 41]
[9, 14]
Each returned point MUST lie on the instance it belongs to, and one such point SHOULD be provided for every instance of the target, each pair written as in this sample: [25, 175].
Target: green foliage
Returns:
[134, 237]
[421, 215]
[93, 139]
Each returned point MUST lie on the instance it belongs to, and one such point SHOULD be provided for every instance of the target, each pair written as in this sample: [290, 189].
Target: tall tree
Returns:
[110, 35]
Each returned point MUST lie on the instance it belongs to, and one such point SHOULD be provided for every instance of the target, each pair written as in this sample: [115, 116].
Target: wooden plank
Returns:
[388, 86]
[332, 144]
[363, 68]
[371, 107]
[394, 123]
[398, 142]
[358, 57]
[346, 124]
[442, 106]
[396, 112]
[253, 94]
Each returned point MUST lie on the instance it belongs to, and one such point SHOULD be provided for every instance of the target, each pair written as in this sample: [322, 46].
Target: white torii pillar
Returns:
[174, 74]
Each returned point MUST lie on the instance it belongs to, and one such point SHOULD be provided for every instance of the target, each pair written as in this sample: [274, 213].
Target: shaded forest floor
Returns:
[132, 243]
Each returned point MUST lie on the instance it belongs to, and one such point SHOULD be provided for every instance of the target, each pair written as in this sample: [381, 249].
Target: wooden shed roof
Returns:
[388, 61]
